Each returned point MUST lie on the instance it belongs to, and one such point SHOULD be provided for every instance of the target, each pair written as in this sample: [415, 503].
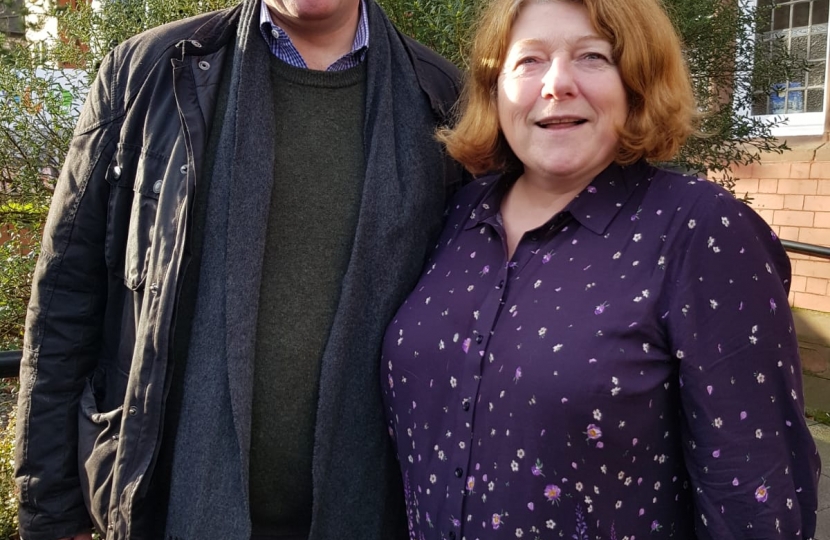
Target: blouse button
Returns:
[479, 338]
[459, 472]
[465, 405]
[500, 285]
[452, 535]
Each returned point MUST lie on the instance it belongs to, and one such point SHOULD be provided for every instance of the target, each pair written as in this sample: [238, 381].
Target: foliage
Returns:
[8, 497]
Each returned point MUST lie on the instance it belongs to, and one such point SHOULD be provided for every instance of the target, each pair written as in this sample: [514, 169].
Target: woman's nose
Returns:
[558, 82]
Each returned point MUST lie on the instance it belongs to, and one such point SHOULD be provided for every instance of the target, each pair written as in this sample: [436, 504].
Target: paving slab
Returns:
[821, 434]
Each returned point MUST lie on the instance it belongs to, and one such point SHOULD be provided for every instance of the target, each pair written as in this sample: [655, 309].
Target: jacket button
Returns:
[459, 472]
[132, 410]
[196, 44]
[116, 172]
[204, 66]
[183, 169]
[157, 187]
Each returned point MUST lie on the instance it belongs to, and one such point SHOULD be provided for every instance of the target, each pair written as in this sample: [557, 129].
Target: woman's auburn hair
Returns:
[647, 52]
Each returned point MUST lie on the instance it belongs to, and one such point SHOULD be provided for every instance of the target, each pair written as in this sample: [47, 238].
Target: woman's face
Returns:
[560, 96]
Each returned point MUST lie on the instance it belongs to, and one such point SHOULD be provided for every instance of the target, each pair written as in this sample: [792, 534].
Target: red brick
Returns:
[767, 185]
[824, 187]
[772, 170]
[822, 220]
[766, 215]
[767, 201]
[815, 236]
[800, 169]
[793, 218]
[799, 284]
[816, 286]
[813, 268]
[797, 187]
[820, 169]
[793, 202]
[787, 233]
[812, 301]
[817, 203]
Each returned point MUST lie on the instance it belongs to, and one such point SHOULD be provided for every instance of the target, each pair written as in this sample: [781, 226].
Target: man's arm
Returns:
[63, 329]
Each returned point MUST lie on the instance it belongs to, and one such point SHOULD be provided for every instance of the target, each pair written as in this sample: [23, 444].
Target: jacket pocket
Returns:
[97, 446]
[136, 177]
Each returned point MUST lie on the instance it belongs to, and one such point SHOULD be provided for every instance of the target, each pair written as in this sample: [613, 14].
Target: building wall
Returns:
[791, 191]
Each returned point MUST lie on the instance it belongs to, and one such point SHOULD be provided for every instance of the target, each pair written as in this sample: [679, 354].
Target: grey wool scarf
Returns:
[356, 482]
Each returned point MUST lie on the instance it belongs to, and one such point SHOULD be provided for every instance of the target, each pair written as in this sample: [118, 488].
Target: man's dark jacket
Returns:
[96, 366]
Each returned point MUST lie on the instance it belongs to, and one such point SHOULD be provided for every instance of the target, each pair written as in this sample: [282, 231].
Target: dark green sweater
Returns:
[318, 181]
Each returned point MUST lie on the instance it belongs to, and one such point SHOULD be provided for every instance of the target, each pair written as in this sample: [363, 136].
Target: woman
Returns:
[597, 348]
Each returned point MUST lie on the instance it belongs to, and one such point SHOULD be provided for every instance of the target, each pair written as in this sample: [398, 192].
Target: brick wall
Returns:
[791, 192]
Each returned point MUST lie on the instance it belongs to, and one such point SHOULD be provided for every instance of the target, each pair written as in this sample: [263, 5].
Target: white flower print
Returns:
[519, 533]
[597, 414]
[759, 434]
[514, 466]
[550, 524]
[725, 221]
[718, 422]
[520, 453]
[692, 223]
[543, 331]
[760, 378]
[637, 237]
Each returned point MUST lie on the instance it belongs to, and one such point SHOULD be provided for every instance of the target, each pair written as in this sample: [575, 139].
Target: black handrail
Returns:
[806, 249]
[10, 364]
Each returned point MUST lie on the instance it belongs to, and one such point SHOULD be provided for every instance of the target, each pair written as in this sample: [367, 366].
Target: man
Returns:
[248, 196]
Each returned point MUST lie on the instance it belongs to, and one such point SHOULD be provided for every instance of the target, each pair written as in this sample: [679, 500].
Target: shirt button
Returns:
[204, 66]
[157, 186]
[116, 172]
[479, 338]
[465, 405]
[275, 33]
[459, 472]
[196, 44]
[183, 169]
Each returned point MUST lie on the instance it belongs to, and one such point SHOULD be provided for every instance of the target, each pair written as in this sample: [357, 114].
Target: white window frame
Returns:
[806, 123]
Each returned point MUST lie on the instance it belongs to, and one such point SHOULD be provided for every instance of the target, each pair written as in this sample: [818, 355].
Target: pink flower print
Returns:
[496, 521]
[709, 389]
[455, 522]
[553, 493]
[518, 375]
[772, 305]
[655, 526]
[743, 415]
[473, 255]
[762, 493]
[735, 481]
[485, 270]
[536, 469]
[547, 257]
[593, 432]
[591, 189]
[465, 345]
[471, 483]
[716, 454]
[600, 308]
[642, 511]
[530, 506]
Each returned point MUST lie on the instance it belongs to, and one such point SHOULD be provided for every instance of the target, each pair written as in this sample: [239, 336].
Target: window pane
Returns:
[798, 47]
[816, 75]
[815, 100]
[801, 14]
[820, 11]
[781, 18]
[795, 101]
[818, 46]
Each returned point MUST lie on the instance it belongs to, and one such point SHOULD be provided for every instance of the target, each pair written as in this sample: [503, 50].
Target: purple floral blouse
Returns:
[632, 373]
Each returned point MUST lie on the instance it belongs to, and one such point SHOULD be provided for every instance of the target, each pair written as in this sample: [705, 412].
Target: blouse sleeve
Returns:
[751, 459]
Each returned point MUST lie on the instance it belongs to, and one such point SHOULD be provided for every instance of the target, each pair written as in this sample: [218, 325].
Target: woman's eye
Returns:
[595, 56]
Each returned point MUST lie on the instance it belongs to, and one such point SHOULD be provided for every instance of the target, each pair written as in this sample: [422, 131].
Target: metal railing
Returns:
[10, 360]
